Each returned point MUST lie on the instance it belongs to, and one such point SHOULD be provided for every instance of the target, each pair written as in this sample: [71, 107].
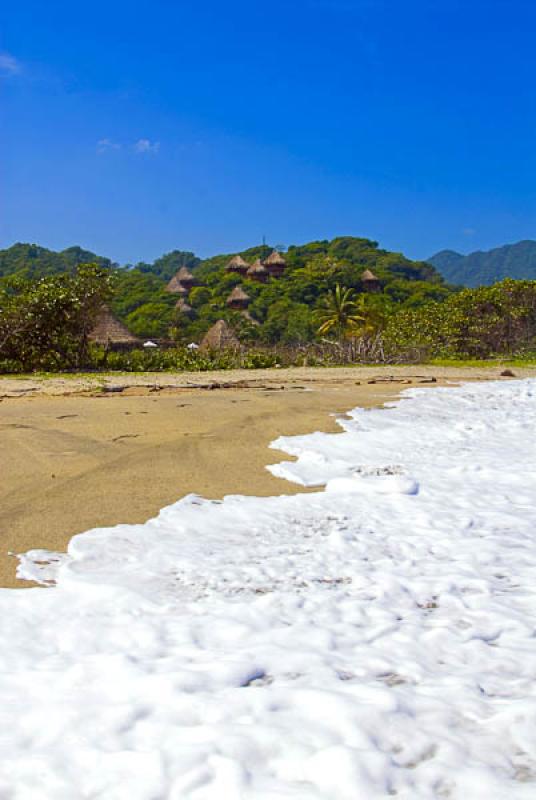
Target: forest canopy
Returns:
[281, 310]
[342, 301]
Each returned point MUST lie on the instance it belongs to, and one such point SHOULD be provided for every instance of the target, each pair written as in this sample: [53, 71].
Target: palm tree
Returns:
[342, 314]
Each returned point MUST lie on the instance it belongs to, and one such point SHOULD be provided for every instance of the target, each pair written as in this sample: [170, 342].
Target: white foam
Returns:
[375, 639]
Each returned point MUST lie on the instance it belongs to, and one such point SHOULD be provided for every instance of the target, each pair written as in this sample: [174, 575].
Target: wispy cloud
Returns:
[468, 231]
[106, 145]
[146, 146]
[9, 65]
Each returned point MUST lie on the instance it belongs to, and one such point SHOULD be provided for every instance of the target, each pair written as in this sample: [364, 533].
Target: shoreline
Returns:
[77, 457]
[66, 384]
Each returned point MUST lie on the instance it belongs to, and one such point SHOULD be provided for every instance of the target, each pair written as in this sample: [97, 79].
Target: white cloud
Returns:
[105, 145]
[146, 146]
[9, 65]
[468, 231]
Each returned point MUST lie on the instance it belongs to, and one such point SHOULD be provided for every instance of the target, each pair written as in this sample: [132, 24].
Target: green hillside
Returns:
[167, 265]
[33, 261]
[482, 268]
[282, 310]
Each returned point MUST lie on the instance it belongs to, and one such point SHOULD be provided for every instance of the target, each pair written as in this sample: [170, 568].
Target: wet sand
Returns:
[74, 457]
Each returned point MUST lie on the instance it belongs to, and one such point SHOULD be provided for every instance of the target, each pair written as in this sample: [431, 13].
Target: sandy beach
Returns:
[93, 451]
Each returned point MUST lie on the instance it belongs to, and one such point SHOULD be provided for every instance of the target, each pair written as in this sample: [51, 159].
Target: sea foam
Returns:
[375, 638]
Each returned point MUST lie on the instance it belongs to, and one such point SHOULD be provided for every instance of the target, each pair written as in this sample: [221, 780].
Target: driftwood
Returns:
[404, 379]
[191, 385]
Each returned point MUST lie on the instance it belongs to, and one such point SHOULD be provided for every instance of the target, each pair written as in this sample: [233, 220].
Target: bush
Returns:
[475, 323]
[180, 359]
[45, 324]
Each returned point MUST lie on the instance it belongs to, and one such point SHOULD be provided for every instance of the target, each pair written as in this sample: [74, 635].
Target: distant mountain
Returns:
[446, 260]
[483, 268]
[34, 261]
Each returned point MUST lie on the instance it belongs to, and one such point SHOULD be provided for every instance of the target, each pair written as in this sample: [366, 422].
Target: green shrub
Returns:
[474, 323]
[45, 324]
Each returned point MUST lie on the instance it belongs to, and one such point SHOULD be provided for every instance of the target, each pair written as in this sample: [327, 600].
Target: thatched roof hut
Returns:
[237, 264]
[368, 276]
[370, 281]
[110, 331]
[238, 299]
[275, 264]
[176, 287]
[220, 337]
[185, 277]
[183, 307]
[181, 282]
[258, 272]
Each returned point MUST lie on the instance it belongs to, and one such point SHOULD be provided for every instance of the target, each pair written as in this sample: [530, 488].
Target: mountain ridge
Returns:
[484, 267]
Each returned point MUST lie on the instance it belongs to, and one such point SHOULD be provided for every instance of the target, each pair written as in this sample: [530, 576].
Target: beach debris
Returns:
[402, 379]
[507, 373]
[112, 389]
[385, 379]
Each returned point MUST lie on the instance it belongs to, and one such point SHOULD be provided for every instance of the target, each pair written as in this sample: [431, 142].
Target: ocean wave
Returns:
[374, 638]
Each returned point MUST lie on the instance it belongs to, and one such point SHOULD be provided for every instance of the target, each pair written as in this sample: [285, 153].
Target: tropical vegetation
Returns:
[474, 323]
[285, 310]
[45, 324]
[318, 312]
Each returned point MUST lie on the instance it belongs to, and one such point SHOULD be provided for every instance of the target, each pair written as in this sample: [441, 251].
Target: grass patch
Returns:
[487, 363]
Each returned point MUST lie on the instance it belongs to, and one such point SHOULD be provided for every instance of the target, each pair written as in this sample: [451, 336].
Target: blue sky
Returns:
[136, 128]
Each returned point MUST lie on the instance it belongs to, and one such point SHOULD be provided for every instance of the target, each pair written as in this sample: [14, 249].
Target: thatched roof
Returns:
[237, 264]
[257, 268]
[109, 330]
[182, 306]
[369, 276]
[184, 275]
[220, 337]
[180, 281]
[176, 287]
[238, 295]
[275, 259]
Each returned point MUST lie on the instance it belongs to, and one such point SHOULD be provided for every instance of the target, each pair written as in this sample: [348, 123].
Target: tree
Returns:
[474, 323]
[167, 265]
[286, 308]
[45, 324]
[340, 314]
